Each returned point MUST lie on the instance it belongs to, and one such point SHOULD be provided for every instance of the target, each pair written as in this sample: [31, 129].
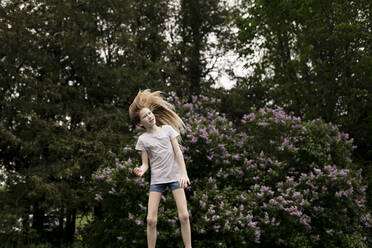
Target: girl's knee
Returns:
[151, 221]
[184, 217]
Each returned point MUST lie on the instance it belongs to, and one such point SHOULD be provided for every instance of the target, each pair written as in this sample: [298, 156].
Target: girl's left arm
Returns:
[184, 180]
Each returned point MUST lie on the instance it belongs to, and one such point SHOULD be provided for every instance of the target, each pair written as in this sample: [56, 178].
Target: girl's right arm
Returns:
[139, 171]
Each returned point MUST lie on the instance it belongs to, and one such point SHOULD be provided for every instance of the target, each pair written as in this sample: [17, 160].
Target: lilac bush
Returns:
[269, 180]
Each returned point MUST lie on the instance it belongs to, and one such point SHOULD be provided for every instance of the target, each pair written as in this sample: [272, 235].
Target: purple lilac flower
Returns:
[107, 171]
[127, 149]
[143, 208]
[257, 236]
[273, 202]
[173, 221]
[130, 216]
[98, 197]
[318, 171]
[139, 222]
[112, 191]
[99, 177]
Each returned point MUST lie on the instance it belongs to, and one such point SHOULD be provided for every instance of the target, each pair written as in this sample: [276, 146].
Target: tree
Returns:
[68, 72]
[201, 28]
[314, 61]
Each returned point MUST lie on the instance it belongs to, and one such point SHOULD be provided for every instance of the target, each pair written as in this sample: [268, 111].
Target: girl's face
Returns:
[147, 118]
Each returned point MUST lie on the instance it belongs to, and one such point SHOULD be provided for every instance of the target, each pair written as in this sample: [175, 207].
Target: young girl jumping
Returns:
[159, 144]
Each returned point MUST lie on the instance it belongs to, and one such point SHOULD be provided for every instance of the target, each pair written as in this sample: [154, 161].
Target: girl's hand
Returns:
[184, 181]
[138, 171]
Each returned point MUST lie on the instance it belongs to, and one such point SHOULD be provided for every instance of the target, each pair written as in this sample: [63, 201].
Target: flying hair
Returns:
[163, 110]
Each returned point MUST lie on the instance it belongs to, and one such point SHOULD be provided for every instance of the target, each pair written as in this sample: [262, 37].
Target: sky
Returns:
[229, 60]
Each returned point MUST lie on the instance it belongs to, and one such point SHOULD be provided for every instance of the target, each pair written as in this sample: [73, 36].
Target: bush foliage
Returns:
[271, 180]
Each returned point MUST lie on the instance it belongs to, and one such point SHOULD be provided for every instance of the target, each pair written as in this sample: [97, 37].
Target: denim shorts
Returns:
[161, 187]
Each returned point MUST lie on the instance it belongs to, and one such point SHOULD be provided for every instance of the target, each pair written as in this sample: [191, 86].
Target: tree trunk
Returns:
[38, 219]
[70, 225]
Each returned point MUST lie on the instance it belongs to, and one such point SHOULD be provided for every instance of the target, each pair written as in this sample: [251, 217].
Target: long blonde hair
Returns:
[163, 110]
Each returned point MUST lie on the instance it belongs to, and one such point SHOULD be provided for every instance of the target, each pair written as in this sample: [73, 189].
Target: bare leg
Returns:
[183, 215]
[152, 218]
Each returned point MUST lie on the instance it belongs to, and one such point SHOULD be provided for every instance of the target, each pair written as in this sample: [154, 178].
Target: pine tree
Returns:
[200, 27]
[69, 70]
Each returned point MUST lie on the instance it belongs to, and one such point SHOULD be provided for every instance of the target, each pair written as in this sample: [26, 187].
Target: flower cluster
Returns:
[269, 179]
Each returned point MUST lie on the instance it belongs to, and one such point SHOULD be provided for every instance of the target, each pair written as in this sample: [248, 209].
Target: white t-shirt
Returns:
[163, 161]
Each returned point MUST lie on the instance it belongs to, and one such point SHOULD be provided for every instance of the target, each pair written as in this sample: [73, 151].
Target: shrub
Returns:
[271, 181]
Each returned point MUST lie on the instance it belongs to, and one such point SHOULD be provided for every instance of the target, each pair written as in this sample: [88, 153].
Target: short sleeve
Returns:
[139, 145]
[171, 132]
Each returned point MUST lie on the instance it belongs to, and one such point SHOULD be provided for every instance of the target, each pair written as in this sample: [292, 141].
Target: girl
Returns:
[159, 144]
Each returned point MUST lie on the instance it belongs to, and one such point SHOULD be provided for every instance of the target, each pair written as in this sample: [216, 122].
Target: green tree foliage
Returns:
[202, 27]
[315, 61]
[69, 70]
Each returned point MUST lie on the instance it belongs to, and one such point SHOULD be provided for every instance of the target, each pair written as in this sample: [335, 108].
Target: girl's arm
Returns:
[139, 171]
[184, 180]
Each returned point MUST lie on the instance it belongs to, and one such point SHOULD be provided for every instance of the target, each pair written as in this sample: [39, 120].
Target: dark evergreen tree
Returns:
[201, 26]
[68, 71]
